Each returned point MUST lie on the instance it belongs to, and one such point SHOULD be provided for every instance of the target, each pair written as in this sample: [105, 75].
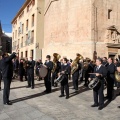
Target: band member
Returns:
[21, 70]
[38, 64]
[117, 64]
[105, 63]
[110, 78]
[7, 73]
[100, 72]
[26, 68]
[65, 70]
[89, 69]
[75, 77]
[31, 65]
[55, 73]
[47, 79]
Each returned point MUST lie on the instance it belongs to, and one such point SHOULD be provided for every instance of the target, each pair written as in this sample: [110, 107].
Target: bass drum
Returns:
[94, 83]
[43, 71]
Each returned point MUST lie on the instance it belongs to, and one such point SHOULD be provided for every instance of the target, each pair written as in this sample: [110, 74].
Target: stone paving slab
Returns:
[33, 104]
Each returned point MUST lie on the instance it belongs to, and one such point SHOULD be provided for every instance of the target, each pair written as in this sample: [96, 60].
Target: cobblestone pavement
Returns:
[33, 104]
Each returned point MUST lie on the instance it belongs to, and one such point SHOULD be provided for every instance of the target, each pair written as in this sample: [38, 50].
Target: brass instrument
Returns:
[117, 76]
[74, 65]
[86, 63]
[55, 59]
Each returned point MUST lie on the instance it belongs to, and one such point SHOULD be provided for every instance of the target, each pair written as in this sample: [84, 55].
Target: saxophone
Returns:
[55, 59]
[74, 65]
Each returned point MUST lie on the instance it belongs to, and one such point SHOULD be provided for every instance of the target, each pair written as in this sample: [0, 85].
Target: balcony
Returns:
[13, 48]
[29, 41]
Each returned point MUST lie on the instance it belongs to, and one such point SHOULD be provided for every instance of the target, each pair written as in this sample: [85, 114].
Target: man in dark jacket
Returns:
[100, 72]
[31, 65]
[75, 77]
[47, 79]
[110, 79]
[7, 73]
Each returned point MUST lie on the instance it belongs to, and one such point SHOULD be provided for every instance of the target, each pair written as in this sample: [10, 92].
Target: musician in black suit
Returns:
[110, 79]
[75, 77]
[65, 71]
[47, 79]
[105, 63]
[31, 65]
[100, 72]
[55, 73]
[7, 73]
[90, 69]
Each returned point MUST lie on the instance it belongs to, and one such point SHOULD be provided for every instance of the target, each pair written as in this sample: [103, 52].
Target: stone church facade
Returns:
[88, 27]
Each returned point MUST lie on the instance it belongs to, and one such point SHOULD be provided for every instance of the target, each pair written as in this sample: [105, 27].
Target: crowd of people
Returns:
[85, 70]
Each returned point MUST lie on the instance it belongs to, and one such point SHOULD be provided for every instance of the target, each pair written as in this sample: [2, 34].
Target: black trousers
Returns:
[98, 93]
[53, 78]
[6, 91]
[75, 81]
[86, 79]
[66, 87]
[110, 86]
[47, 82]
[21, 77]
[30, 79]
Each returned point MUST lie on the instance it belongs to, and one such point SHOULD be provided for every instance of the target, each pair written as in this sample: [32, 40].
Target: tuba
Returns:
[117, 75]
[55, 59]
[74, 65]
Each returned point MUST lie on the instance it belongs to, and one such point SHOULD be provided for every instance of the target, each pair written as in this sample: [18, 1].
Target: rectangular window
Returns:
[33, 2]
[22, 42]
[22, 28]
[15, 34]
[26, 39]
[109, 13]
[32, 53]
[18, 31]
[27, 8]
[32, 36]
[18, 43]
[26, 54]
[21, 54]
[27, 24]
[33, 20]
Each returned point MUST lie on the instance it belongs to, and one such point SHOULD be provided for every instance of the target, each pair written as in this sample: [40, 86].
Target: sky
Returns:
[8, 10]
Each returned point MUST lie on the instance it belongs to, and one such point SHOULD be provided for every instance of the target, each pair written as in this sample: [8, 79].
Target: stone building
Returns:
[88, 27]
[27, 29]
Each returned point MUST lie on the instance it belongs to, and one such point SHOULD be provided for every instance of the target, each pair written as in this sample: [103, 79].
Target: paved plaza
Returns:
[33, 104]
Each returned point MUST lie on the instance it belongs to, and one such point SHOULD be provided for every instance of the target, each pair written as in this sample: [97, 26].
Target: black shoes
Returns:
[61, 95]
[100, 107]
[94, 105]
[32, 87]
[67, 97]
[8, 103]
